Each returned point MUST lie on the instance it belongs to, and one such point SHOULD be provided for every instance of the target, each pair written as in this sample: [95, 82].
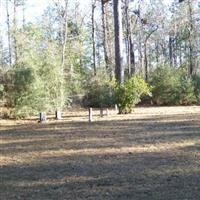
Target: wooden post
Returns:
[107, 111]
[90, 115]
[116, 109]
[58, 115]
[101, 112]
[42, 117]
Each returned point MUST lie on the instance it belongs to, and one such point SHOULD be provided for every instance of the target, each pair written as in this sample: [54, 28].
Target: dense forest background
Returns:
[120, 52]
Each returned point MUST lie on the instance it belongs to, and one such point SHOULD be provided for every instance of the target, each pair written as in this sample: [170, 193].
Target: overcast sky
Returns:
[36, 7]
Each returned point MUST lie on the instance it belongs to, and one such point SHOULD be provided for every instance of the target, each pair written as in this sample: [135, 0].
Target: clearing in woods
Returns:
[153, 154]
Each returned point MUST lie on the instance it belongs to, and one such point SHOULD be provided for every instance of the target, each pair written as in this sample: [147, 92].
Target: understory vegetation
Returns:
[173, 87]
[30, 91]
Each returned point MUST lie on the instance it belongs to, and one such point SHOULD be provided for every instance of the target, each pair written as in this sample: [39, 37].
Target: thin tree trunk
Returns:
[64, 42]
[64, 38]
[127, 36]
[170, 51]
[157, 52]
[128, 59]
[130, 46]
[110, 49]
[145, 54]
[98, 56]
[132, 55]
[191, 65]
[15, 31]
[9, 35]
[190, 70]
[105, 39]
[145, 62]
[175, 52]
[180, 55]
[93, 38]
[140, 49]
[24, 17]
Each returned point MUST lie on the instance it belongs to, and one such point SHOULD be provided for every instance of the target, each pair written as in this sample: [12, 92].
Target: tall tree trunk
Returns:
[64, 37]
[132, 56]
[98, 55]
[110, 49]
[24, 17]
[145, 54]
[127, 24]
[191, 64]
[130, 46]
[157, 52]
[180, 54]
[15, 30]
[119, 69]
[64, 29]
[93, 38]
[190, 70]
[9, 35]
[145, 62]
[170, 51]
[175, 52]
[140, 52]
[105, 39]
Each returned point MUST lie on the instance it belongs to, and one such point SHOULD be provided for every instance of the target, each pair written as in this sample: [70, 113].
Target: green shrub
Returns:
[172, 87]
[129, 94]
[99, 94]
[21, 93]
[33, 89]
[196, 80]
[27, 95]
[186, 95]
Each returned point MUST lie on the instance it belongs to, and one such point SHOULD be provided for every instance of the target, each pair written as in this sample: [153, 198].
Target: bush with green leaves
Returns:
[32, 90]
[99, 94]
[186, 95]
[21, 90]
[172, 87]
[129, 94]
[196, 80]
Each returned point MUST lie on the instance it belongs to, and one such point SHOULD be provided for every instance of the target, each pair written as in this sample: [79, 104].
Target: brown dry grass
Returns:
[153, 154]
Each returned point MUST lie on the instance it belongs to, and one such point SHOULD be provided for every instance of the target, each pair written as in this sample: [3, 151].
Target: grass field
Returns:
[152, 154]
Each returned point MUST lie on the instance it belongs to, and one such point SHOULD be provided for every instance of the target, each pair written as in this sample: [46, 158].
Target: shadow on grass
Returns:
[135, 176]
[70, 169]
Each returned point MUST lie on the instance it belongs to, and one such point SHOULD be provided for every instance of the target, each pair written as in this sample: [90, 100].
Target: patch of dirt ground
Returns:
[152, 154]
